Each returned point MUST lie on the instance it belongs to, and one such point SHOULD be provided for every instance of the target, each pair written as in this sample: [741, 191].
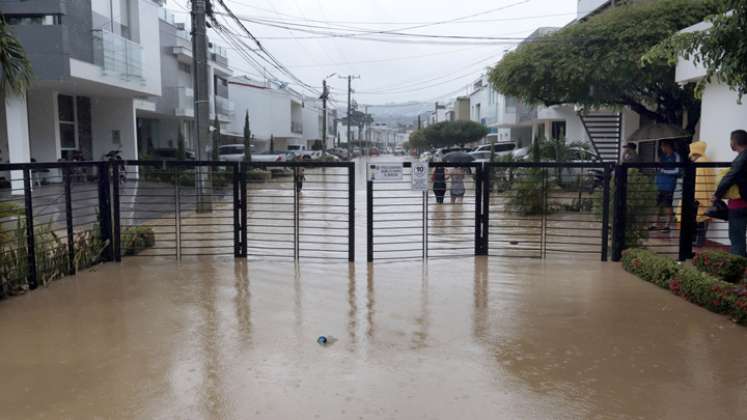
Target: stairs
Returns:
[605, 131]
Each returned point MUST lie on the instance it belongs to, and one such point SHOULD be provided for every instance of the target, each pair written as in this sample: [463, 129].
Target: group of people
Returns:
[442, 177]
[709, 194]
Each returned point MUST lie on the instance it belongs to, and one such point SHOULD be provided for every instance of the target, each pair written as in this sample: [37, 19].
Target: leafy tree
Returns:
[181, 154]
[417, 141]
[216, 139]
[15, 68]
[598, 62]
[247, 139]
[450, 133]
[722, 48]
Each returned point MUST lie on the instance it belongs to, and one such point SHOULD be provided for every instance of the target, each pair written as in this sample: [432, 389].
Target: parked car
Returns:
[374, 152]
[231, 153]
[272, 157]
[426, 156]
[300, 151]
[500, 148]
[170, 154]
[480, 157]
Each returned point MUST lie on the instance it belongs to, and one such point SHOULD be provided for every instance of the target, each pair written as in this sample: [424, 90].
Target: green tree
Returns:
[181, 154]
[598, 62]
[216, 140]
[721, 48]
[15, 68]
[247, 139]
[417, 141]
[451, 133]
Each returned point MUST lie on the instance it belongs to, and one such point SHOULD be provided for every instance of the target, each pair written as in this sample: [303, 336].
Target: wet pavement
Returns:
[461, 338]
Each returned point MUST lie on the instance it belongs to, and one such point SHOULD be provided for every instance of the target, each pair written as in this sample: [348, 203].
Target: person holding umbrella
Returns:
[439, 183]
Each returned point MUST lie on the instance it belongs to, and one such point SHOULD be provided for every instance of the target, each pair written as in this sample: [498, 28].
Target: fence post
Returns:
[478, 209]
[487, 179]
[244, 205]
[116, 227]
[30, 240]
[237, 228]
[606, 212]
[105, 211]
[619, 213]
[369, 220]
[688, 222]
[69, 220]
[351, 212]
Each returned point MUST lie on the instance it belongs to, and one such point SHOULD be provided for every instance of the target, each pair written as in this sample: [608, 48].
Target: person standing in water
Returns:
[456, 176]
[439, 183]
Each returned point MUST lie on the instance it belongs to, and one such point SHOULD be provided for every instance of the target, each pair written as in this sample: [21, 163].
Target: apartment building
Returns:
[88, 58]
[162, 121]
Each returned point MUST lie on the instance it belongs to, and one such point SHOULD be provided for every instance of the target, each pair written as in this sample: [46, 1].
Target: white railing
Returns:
[118, 56]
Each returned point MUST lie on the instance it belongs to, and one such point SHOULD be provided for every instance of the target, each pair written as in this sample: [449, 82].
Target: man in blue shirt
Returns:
[666, 183]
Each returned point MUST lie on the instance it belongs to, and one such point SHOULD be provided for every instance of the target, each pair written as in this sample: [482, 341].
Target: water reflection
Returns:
[352, 310]
[242, 301]
[370, 302]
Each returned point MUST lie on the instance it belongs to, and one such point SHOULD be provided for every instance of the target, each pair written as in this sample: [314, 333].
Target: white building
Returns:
[721, 112]
[92, 62]
[162, 120]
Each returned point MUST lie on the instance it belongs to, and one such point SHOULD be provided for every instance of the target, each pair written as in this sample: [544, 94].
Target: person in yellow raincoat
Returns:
[705, 185]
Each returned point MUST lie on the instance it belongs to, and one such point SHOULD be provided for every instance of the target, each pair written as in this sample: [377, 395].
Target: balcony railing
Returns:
[224, 106]
[117, 56]
[296, 127]
[180, 100]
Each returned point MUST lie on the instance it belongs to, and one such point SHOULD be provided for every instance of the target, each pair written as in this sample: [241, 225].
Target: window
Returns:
[185, 68]
[66, 112]
[220, 87]
[558, 130]
[45, 20]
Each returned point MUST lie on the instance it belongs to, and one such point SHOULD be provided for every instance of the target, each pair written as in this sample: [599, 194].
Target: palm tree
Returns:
[15, 68]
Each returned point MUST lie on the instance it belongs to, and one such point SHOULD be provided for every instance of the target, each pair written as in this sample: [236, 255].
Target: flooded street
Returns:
[462, 338]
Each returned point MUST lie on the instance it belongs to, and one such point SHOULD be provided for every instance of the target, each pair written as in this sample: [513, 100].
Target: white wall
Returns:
[311, 122]
[17, 132]
[721, 114]
[269, 111]
[107, 115]
[585, 7]
[43, 126]
[574, 128]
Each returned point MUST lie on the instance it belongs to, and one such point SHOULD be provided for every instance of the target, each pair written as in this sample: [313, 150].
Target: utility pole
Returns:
[350, 111]
[324, 97]
[202, 100]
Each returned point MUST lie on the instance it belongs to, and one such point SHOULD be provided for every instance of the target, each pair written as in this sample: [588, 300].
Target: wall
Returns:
[43, 131]
[312, 129]
[17, 132]
[585, 7]
[110, 114]
[269, 111]
[574, 128]
[721, 114]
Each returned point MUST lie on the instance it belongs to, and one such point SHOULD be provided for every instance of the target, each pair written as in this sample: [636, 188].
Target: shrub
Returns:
[687, 282]
[648, 266]
[137, 238]
[727, 267]
[528, 193]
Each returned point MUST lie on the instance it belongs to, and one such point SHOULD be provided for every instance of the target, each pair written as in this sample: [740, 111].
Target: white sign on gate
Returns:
[386, 172]
[420, 176]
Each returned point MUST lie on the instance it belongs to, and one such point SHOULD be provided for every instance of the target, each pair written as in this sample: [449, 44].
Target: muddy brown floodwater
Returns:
[470, 338]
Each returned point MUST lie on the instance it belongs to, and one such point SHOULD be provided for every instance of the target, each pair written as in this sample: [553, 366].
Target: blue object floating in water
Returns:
[322, 340]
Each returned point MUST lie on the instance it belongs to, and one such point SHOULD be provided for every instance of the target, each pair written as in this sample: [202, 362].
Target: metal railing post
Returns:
[116, 227]
[688, 222]
[244, 205]
[486, 186]
[606, 212]
[351, 212]
[478, 209]
[69, 220]
[237, 227]
[619, 212]
[369, 220]
[105, 211]
[30, 240]
[296, 217]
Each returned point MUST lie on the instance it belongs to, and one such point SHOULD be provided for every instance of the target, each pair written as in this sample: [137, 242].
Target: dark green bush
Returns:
[651, 267]
[137, 238]
[687, 282]
[725, 266]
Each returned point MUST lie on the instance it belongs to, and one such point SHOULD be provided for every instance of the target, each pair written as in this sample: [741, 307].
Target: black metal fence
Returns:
[56, 218]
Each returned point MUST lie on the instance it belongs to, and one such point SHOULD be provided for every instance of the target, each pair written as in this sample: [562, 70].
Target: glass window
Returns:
[45, 20]
[558, 130]
[67, 136]
[66, 108]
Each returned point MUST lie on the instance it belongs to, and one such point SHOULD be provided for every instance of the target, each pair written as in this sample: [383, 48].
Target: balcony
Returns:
[183, 48]
[225, 108]
[117, 56]
[180, 101]
[296, 127]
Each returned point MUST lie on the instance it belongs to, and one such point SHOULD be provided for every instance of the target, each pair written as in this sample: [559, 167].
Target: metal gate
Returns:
[298, 210]
[403, 223]
[520, 209]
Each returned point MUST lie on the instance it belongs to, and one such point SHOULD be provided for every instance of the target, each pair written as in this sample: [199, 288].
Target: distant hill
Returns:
[397, 113]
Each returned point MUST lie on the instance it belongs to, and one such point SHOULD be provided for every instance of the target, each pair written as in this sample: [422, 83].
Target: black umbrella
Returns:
[459, 157]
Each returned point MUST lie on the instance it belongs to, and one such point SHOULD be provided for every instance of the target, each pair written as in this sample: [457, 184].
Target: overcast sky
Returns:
[390, 72]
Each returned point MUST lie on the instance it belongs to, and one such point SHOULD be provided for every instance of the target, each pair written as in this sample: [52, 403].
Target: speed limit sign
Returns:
[420, 176]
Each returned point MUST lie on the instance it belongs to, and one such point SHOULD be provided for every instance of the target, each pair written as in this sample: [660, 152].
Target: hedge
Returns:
[727, 267]
[687, 282]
